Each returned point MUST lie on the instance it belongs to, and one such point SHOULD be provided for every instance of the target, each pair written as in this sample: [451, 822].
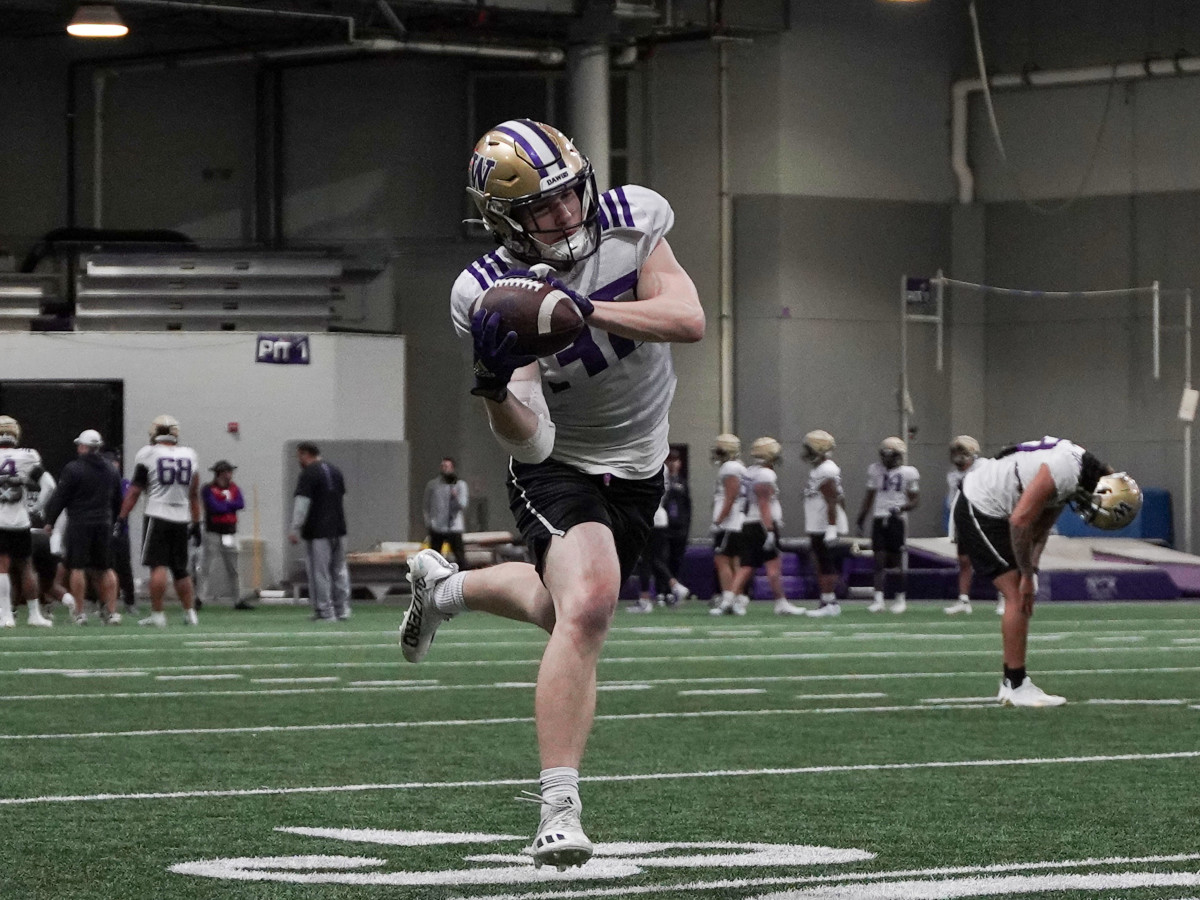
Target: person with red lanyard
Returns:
[222, 499]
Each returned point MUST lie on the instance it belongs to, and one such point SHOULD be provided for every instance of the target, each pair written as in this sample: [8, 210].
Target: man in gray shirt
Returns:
[445, 499]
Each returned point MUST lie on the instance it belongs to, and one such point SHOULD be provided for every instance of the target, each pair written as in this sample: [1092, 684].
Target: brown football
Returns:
[545, 319]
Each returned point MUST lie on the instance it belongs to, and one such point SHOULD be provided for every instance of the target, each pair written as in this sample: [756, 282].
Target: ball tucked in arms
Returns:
[545, 319]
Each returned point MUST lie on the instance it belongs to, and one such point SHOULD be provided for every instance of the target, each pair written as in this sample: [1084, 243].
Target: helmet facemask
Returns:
[10, 432]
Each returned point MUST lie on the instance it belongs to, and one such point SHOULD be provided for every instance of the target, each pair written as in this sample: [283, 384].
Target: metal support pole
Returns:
[1187, 428]
[1157, 317]
[903, 358]
[726, 243]
[940, 287]
[99, 81]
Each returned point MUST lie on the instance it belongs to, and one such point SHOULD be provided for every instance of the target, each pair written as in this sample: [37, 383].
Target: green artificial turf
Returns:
[752, 736]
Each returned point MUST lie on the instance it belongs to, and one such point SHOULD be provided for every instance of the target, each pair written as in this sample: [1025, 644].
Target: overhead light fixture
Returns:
[97, 20]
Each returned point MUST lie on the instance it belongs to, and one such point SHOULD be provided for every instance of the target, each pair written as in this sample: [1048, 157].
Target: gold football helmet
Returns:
[891, 451]
[818, 444]
[726, 447]
[1114, 504]
[164, 430]
[766, 450]
[516, 167]
[10, 431]
[964, 449]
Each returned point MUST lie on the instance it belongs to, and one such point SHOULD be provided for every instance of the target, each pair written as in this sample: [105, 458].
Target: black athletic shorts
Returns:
[549, 498]
[753, 554]
[822, 553]
[887, 534]
[15, 543]
[165, 543]
[728, 543]
[44, 562]
[986, 540]
[88, 546]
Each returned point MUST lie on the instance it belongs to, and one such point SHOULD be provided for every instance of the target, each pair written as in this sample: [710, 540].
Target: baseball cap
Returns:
[89, 437]
[222, 465]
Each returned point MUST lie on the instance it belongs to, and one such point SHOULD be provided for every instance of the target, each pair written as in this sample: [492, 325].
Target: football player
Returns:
[763, 519]
[729, 513]
[1003, 517]
[587, 452]
[824, 516]
[964, 453]
[165, 471]
[893, 489]
[21, 470]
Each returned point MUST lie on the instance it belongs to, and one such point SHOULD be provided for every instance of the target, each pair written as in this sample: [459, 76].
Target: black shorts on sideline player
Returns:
[822, 554]
[887, 534]
[550, 497]
[15, 543]
[753, 537]
[45, 562]
[165, 543]
[986, 540]
[728, 543]
[88, 546]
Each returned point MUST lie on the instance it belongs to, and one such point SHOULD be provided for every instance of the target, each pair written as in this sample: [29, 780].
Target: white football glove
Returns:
[769, 542]
[831, 534]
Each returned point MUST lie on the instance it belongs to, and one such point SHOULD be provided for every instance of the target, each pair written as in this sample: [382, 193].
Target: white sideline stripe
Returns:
[733, 633]
[313, 680]
[608, 779]
[396, 683]
[198, 677]
[1120, 638]
[1165, 702]
[107, 673]
[875, 636]
[948, 700]
[1186, 641]
[622, 687]
[500, 720]
[712, 692]
[215, 643]
[865, 695]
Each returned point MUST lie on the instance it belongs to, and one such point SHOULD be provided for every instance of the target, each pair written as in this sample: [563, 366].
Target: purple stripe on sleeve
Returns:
[625, 206]
[479, 276]
[603, 216]
[606, 199]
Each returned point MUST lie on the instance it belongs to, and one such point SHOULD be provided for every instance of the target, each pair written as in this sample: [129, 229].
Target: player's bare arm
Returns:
[732, 485]
[914, 500]
[512, 418]
[668, 308]
[1025, 519]
[762, 495]
[868, 502]
[130, 501]
[830, 492]
[194, 500]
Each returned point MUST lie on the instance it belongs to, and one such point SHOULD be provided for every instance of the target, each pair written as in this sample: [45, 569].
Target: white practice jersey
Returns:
[20, 472]
[165, 472]
[891, 487]
[954, 479]
[816, 515]
[732, 468]
[995, 485]
[756, 476]
[608, 395]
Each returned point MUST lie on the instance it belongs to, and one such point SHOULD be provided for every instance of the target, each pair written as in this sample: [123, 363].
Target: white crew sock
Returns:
[561, 783]
[900, 596]
[879, 595]
[829, 597]
[35, 609]
[964, 598]
[5, 598]
[448, 595]
[68, 601]
[726, 598]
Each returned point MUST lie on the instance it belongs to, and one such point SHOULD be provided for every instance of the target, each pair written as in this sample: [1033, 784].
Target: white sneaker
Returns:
[722, 607]
[787, 608]
[80, 618]
[560, 840]
[958, 606]
[39, 621]
[1000, 607]
[8, 622]
[641, 606]
[741, 603]
[680, 593]
[422, 617]
[825, 609]
[189, 617]
[898, 606]
[1028, 694]
[113, 619]
[878, 605]
[157, 619]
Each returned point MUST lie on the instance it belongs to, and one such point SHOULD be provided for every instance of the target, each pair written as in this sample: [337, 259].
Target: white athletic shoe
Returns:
[1028, 694]
[189, 617]
[958, 606]
[560, 840]
[825, 609]
[741, 603]
[898, 606]
[113, 619]
[80, 618]
[788, 608]
[641, 606]
[680, 593]
[422, 617]
[1000, 607]
[878, 605]
[39, 621]
[723, 607]
[8, 622]
[157, 619]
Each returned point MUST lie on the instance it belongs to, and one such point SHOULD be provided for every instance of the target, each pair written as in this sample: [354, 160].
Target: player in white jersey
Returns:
[761, 525]
[824, 516]
[964, 454]
[21, 470]
[893, 489]
[166, 473]
[1003, 518]
[586, 428]
[728, 513]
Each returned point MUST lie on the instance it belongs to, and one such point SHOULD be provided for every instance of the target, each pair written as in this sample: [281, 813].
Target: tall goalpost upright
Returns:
[930, 293]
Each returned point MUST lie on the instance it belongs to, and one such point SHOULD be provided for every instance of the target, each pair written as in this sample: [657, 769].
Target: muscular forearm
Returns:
[1023, 543]
[659, 319]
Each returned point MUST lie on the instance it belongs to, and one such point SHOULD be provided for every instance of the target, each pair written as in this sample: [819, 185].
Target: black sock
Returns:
[1015, 676]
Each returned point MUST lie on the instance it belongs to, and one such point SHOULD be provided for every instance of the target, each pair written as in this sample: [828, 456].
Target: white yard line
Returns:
[314, 680]
[608, 779]
[231, 676]
[714, 692]
[1118, 702]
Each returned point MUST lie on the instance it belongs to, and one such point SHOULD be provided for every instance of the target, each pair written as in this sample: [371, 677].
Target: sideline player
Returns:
[893, 489]
[729, 511]
[587, 453]
[824, 516]
[1003, 518]
[760, 530]
[964, 452]
[21, 470]
[166, 472]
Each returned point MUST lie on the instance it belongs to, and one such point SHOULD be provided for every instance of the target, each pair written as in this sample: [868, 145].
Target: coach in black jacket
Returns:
[89, 490]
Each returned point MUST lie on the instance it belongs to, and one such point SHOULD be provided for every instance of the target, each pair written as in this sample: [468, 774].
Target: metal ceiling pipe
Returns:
[962, 90]
[223, 8]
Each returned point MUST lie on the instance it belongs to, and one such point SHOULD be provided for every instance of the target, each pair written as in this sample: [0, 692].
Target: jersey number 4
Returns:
[172, 471]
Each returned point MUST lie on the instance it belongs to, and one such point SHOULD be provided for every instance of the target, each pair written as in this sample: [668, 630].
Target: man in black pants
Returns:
[90, 493]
